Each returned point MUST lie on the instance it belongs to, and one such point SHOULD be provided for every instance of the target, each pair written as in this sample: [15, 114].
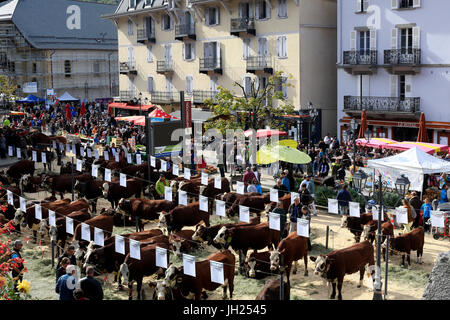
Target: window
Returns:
[212, 16]
[362, 5]
[262, 47]
[67, 68]
[12, 67]
[245, 10]
[364, 41]
[282, 47]
[189, 84]
[406, 40]
[262, 10]
[247, 85]
[96, 68]
[149, 53]
[34, 68]
[150, 87]
[402, 83]
[282, 9]
[246, 48]
[132, 4]
[280, 85]
[166, 23]
[130, 28]
[406, 3]
[188, 51]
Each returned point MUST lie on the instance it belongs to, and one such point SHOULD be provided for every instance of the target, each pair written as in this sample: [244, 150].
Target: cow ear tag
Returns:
[229, 239]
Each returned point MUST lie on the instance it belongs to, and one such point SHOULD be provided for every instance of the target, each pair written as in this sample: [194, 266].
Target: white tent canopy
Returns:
[67, 97]
[413, 163]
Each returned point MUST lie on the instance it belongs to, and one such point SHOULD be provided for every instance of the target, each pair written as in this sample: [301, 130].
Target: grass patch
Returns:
[317, 248]
[412, 277]
[247, 286]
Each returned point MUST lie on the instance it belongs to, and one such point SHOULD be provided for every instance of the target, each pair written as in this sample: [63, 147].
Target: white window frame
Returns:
[130, 6]
[96, 68]
[152, 88]
[130, 28]
[280, 53]
[216, 14]
[257, 13]
[246, 49]
[150, 56]
[285, 9]
[192, 51]
[244, 83]
[163, 24]
[189, 84]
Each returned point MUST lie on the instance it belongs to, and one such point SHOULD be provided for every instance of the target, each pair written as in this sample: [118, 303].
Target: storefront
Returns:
[438, 132]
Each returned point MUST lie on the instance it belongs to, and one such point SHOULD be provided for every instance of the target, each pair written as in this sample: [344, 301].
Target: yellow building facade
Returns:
[196, 46]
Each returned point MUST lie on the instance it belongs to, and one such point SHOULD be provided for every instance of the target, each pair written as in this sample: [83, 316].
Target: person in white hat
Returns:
[66, 284]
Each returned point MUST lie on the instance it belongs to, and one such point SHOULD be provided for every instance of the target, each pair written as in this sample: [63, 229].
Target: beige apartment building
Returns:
[195, 46]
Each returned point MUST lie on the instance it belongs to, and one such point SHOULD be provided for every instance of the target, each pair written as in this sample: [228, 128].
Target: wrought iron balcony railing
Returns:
[259, 63]
[358, 57]
[402, 56]
[145, 35]
[164, 97]
[164, 66]
[243, 25]
[200, 96]
[126, 95]
[382, 104]
[184, 30]
[210, 64]
[127, 67]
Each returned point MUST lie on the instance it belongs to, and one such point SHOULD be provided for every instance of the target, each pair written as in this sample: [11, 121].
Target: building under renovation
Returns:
[61, 45]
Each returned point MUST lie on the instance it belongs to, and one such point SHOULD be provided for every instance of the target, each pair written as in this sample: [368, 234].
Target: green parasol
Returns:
[273, 153]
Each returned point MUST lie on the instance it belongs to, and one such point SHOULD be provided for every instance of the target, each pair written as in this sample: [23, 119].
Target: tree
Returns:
[254, 109]
[7, 89]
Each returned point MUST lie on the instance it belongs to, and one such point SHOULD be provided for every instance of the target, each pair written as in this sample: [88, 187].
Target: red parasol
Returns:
[423, 135]
[363, 127]
[82, 110]
[68, 112]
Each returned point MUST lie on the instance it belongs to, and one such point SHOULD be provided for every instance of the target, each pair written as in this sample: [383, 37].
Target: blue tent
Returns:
[31, 99]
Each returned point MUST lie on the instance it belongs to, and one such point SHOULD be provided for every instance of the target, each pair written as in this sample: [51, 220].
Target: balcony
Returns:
[402, 61]
[383, 107]
[128, 68]
[164, 66]
[126, 95]
[210, 65]
[164, 97]
[183, 31]
[361, 62]
[200, 96]
[259, 63]
[244, 25]
[144, 35]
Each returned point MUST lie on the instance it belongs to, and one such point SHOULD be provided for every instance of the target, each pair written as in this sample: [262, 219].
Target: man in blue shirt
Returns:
[344, 198]
[444, 194]
[285, 181]
[66, 284]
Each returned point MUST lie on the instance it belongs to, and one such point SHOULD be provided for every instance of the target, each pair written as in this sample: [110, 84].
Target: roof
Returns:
[57, 26]
[141, 6]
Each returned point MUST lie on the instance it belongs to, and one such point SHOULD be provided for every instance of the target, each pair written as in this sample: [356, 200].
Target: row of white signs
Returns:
[437, 217]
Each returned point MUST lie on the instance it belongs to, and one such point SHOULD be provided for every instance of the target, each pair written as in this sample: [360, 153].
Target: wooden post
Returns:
[73, 193]
[53, 254]
[386, 271]
[326, 241]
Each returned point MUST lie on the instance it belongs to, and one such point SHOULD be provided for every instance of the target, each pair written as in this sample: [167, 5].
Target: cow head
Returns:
[19, 216]
[105, 188]
[125, 272]
[268, 208]
[173, 276]
[87, 255]
[25, 179]
[223, 236]
[174, 186]
[77, 185]
[161, 288]
[275, 259]
[45, 183]
[322, 264]
[344, 221]
[94, 257]
[202, 190]
[251, 262]
[53, 233]
[176, 244]
[124, 205]
[162, 220]
[43, 226]
[366, 231]
[181, 185]
[199, 234]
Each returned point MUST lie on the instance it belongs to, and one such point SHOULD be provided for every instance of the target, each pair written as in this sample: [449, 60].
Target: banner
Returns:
[216, 269]
[51, 218]
[163, 165]
[129, 158]
[19, 155]
[108, 175]
[23, 204]
[123, 180]
[10, 197]
[175, 170]
[168, 193]
[333, 206]
[106, 155]
[135, 249]
[303, 228]
[85, 232]
[274, 195]
[203, 203]
[69, 225]
[354, 209]
[204, 178]
[120, 244]
[38, 211]
[152, 161]
[99, 237]
[293, 196]
[187, 173]
[390, 176]
[161, 257]
[44, 157]
[138, 158]
[218, 183]
[240, 187]
[79, 165]
[182, 198]
[34, 155]
[437, 219]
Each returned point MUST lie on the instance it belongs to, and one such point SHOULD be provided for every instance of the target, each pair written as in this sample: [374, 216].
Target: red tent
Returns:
[68, 112]
[160, 114]
[83, 109]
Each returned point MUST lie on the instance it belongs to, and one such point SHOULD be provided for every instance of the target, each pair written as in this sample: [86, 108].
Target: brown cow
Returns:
[286, 200]
[255, 203]
[242, 238]
[191, 287]
[18, 169]
[354, 224]
[211, 192]
[145, 208]
[405, 243]
[336, 264]
[290, 249]
[104, 222]
[387, 229]
[271, 290]
[257, 265]
[3, 220]
[113, 191]
[231, 197]
[182, 241]
[182, 216]
[132, 269]
[63, 183]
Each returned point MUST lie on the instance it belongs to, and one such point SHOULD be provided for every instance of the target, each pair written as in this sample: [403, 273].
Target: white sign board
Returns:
[293, 196]
[220, 208]
[182, 198]
[175, 170]
[274, 195]
[34, 155]
[19, 155]
[163, 165]
[85, 232]
[161, 257]
[437, 219]
[244, 214]
[203, 203]
[374, 213]
[123, 180]
[54, 144]
[354, 209]
[99, 237]
[96, 155]
[218, 183]
[69, 225]
[239, 187]
[189, 265]
[168, 193]
[216, 272]
[138, 158]
[274, 221]
[23, 204]
[44, 157]
[187, 174]
[402, 215]
[120, 244]
[52, 218]
[68, 146]
[129, 160]
[10, 151]
[108, 175]
[95, 170]
[38, 211]
[79, 165]
[82, 152]
[135, 249]
[89, 152]
[116, 156]
[29, 87]
[303, 228]
[204, 178]
[152, 161]
[333, 206]
[10, 197]
[106, 155]
[74, 149]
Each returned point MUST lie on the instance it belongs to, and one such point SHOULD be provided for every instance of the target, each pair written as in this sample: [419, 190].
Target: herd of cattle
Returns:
[129, 209]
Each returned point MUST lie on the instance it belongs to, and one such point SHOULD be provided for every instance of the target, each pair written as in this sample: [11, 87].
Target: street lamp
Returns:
[359, 180]
[140, 103]
[402, 185]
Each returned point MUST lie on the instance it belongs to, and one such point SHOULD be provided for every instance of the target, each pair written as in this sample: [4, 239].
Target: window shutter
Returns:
[184, 51]
[188, 84]
[394, 4]
[250, 10]
[245, 48]
[394, 86]
[353, 40]
[192, 50]
[279, 47]
[365, 5]
[171, 22]
[218, 62]
[149, 53]
[394, 38]
[268, 11]
[358, 5]
[217, 15]
[408, 85]
[241, 10]
[257, 5]
[207, 16]
[416, 4]
[373, 39]
[416, 38]
[284, 46]
[150, 84]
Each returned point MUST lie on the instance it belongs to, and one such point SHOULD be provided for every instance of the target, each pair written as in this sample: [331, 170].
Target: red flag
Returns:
[68, 112]
[83, 109]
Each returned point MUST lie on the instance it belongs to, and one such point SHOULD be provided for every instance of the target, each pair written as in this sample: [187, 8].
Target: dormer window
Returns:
[132, 4]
